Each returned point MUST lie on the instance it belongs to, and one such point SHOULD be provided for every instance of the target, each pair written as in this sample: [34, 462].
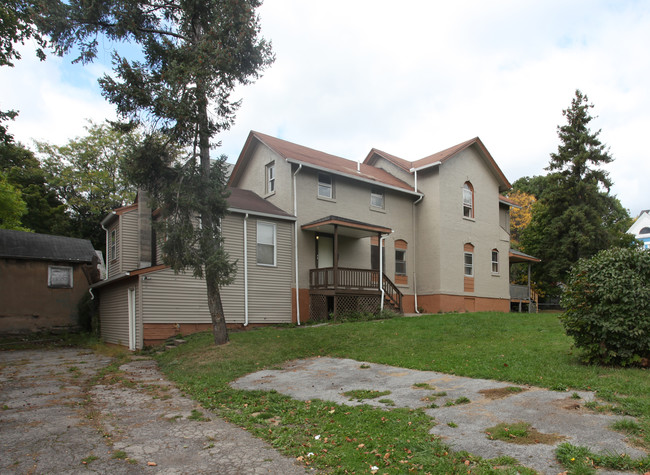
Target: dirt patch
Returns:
[521, 433]
[499, 393]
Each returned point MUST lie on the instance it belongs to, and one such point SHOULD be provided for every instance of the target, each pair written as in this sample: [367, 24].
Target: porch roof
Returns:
[518, 256]
[346, 227]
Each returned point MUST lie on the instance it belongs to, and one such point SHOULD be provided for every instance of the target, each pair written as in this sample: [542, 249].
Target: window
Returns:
[376, 198]
[645, 231]
[59, 277]
[113, 249]
[400, 262]
[468, 200]
[270, 177]
[265, 243]
[495, 261]
[325, 186]
[469, 264]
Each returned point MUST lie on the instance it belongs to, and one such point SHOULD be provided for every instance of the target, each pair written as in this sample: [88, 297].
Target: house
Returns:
[143, 302]
[441, 223]
[315, 234]
[641, 228]
[42, 280]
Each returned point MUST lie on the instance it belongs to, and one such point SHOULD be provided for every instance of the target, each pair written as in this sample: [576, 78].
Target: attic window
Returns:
[645, 231]
[468, 200]
[59, 277]
[270, 177]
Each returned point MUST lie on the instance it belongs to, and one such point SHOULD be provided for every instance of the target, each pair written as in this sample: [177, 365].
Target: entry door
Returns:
[131, 303]
[324, 251]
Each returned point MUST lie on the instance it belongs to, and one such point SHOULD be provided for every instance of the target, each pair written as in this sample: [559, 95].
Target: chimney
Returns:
[144, 229]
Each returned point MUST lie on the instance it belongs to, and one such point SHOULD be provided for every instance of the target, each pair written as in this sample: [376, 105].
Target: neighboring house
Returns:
[143, 302]
[315, 235]
[42, 280]
[641, 228]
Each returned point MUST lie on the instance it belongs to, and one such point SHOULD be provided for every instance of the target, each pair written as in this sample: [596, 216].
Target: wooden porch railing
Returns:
[355, 279]
[519, 293]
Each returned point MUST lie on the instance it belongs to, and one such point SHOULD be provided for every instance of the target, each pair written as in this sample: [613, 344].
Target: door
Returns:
[131, 303]
[324, 251]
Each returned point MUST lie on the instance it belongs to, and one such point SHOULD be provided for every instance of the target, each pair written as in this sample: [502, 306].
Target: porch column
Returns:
[530, 297]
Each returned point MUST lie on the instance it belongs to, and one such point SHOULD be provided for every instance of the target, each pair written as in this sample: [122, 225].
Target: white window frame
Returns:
[261, 224]
[327, 189]
[468, 265]
[495, 261]
[400, 261]
[113, 245]
[270, 178]
[56, 275]
[468, 200]
[377, 194]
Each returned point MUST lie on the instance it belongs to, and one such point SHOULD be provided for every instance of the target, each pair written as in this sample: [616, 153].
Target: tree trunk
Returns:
[219, 329]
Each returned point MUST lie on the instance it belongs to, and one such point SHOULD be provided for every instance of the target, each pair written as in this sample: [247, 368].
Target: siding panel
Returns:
[114, 313]
[129, 239]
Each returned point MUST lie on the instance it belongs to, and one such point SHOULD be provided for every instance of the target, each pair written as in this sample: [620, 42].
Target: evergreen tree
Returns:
[576, 216]
[194, 53]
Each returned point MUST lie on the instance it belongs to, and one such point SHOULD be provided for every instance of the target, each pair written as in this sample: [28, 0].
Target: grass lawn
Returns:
[520, 348]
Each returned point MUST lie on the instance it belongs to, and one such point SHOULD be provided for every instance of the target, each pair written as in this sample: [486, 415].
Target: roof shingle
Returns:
[24, 245]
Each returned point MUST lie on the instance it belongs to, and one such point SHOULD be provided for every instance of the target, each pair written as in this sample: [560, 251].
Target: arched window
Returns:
[645, 231]
[468, 200]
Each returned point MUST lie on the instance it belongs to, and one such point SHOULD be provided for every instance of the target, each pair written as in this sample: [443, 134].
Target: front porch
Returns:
[335, 290]
[523, 296]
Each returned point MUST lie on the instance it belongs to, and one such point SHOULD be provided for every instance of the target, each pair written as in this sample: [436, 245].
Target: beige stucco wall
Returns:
[352, 201]
[28, 304]
[453, 230]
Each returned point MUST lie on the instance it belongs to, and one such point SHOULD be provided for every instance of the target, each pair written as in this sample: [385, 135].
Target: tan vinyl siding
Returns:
[269, 288]
[114, 313]
[174, 298]
[130, 240]
[232, 296]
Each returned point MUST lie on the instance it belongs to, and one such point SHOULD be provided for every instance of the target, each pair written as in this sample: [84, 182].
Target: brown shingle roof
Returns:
[400, 162]
[246, 200]
[299, 153]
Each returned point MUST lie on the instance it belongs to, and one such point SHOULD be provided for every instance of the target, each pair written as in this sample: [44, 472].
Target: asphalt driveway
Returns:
[482, 404]
[54, 421]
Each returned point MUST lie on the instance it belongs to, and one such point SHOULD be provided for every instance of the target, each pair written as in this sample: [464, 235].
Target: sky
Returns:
[410, 78]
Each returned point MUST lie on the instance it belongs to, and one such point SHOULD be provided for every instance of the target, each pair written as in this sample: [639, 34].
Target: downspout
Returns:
[295, 240]
[246, 270]
[381, 270]
[415, 261]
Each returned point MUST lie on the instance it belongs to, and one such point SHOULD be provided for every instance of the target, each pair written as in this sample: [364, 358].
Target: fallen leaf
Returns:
[152, 464]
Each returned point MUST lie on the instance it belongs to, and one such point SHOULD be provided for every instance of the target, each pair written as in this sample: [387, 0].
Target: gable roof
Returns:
[241, 200]
[294, 153]
[24, 245]
[441, 157]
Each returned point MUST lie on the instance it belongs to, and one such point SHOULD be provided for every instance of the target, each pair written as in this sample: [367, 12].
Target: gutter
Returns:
[295, 240]
[415, 261]
[416, 170]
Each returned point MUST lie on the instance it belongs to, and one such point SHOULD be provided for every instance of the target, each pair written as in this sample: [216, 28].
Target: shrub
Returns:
[607, 302]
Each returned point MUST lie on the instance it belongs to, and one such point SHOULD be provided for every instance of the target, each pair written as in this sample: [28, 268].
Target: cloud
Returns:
[413, 78]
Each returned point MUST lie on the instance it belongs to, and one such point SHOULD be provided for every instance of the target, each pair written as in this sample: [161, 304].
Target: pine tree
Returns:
[194, 53]
[576, 215]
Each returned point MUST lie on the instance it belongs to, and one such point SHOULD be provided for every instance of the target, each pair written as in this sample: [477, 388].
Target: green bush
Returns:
[607, 302]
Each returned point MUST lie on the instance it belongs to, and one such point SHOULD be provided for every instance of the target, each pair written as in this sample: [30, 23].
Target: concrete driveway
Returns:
[53, 420]
[490, 403]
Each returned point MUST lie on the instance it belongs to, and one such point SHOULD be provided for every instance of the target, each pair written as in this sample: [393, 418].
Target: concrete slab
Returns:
[549, 412]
